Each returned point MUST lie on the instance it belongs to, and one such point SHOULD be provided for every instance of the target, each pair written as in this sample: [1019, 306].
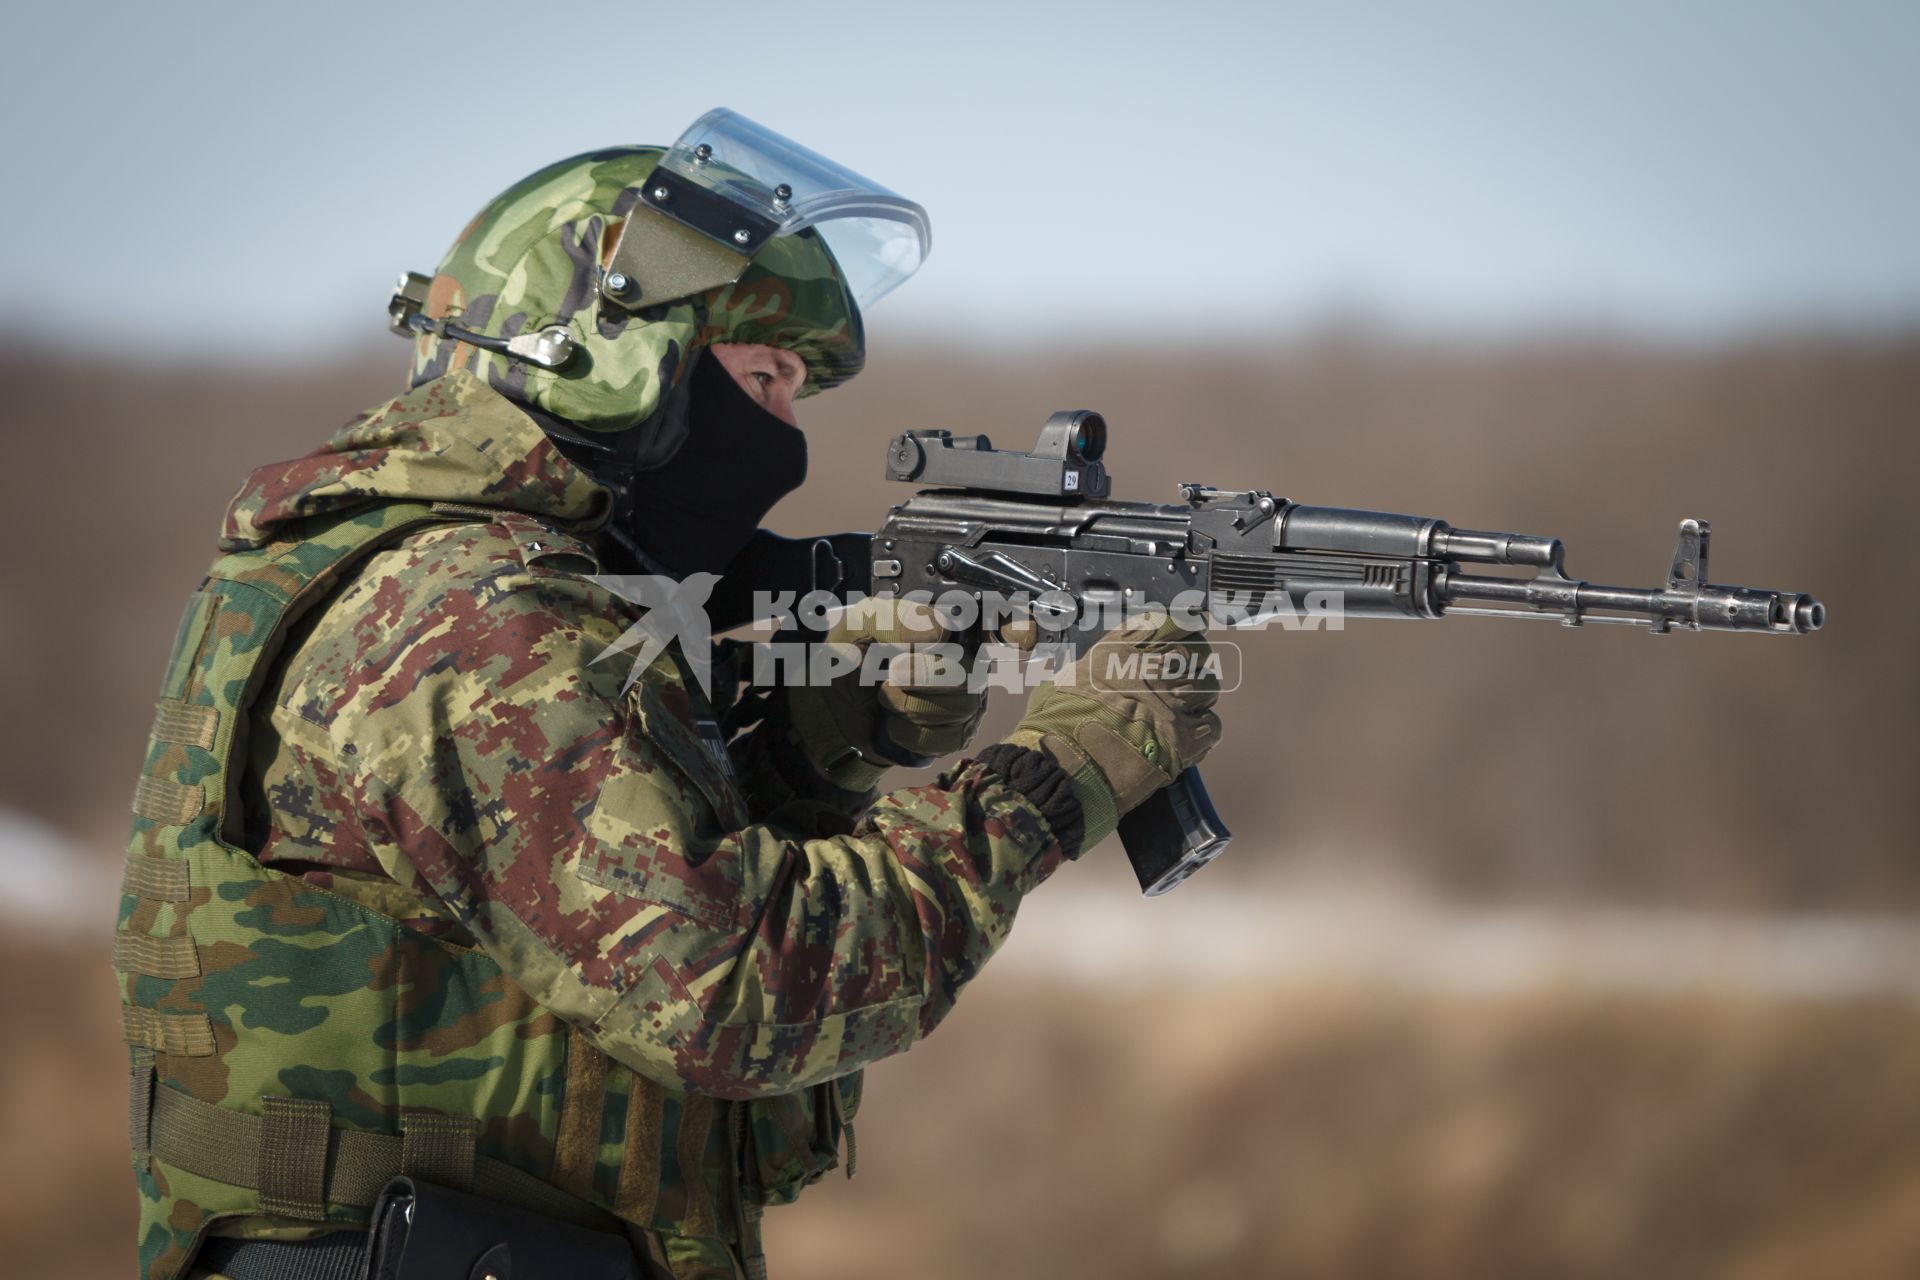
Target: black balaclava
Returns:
[696, 510]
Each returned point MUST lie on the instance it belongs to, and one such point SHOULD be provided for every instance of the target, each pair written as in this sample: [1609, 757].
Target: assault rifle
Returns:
[1040, 526]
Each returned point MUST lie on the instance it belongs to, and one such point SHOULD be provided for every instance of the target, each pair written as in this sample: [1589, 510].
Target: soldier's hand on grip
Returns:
[855, 727]
[1127, 718]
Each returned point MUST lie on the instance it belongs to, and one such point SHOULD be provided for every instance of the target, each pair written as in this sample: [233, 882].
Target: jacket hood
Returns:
[454, 439]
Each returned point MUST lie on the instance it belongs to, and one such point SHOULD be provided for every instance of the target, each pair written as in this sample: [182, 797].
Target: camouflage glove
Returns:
[1121, 738]
[853, 731]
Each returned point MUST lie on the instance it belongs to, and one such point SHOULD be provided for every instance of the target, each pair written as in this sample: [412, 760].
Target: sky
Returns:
[250, 178]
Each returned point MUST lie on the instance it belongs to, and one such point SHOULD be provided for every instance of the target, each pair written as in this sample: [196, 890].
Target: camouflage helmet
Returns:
[533, 257]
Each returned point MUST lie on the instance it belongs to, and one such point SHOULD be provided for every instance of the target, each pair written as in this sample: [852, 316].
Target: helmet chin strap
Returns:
[549, 348]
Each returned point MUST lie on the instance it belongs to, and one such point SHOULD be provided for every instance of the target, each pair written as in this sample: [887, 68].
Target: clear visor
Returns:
[879, 238]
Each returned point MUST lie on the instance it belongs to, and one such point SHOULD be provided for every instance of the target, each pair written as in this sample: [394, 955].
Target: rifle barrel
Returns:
[1709, 607]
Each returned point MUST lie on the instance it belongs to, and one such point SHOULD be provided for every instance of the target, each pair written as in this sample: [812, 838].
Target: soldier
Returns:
[417, 887]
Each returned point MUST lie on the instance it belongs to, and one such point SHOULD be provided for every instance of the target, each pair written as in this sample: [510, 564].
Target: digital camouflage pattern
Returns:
[493, 886]
[532, 257]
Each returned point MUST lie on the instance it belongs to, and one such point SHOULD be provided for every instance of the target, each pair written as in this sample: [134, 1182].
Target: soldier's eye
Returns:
[764, 379]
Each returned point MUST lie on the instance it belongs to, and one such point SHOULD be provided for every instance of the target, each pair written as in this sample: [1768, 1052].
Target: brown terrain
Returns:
[1203, 1117]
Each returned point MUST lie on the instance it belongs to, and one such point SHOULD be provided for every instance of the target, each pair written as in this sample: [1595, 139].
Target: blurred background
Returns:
[1539, 952]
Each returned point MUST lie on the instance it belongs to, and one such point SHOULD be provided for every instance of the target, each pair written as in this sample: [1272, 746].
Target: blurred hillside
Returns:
[1473, 758]
[1648, 1003]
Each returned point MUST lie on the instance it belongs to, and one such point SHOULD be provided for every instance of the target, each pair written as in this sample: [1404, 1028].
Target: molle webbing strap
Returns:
[140, 1107]
[186, 1035]
[186, 723]
[576, 1147]
[225, 1145]
[158, 879]
[639, 1189]
[696, 1123]
[747, 1208]
[166, 802]
[845, 1116]
[292, 1168]
[155, 957]
[438, 1149]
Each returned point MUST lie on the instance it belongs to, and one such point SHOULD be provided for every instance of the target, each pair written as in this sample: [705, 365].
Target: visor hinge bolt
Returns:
[702, 153]
[782, 194]
[660, 195]
[743, 237]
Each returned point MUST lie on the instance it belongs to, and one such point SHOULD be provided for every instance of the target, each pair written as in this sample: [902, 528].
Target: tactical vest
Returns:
[292, 1049]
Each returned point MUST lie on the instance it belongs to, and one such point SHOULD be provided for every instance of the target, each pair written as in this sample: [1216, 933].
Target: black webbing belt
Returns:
[424, 1232]
[340, 1256]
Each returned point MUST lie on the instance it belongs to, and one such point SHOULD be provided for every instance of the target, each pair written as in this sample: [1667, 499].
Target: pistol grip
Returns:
[1172, 834]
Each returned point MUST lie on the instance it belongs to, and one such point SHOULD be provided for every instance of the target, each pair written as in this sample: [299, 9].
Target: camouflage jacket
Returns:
[442, 745]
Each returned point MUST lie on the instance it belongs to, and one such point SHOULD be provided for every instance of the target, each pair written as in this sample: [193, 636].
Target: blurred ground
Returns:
[1233, 1127]
[1627, 979]
[1279, 1131]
